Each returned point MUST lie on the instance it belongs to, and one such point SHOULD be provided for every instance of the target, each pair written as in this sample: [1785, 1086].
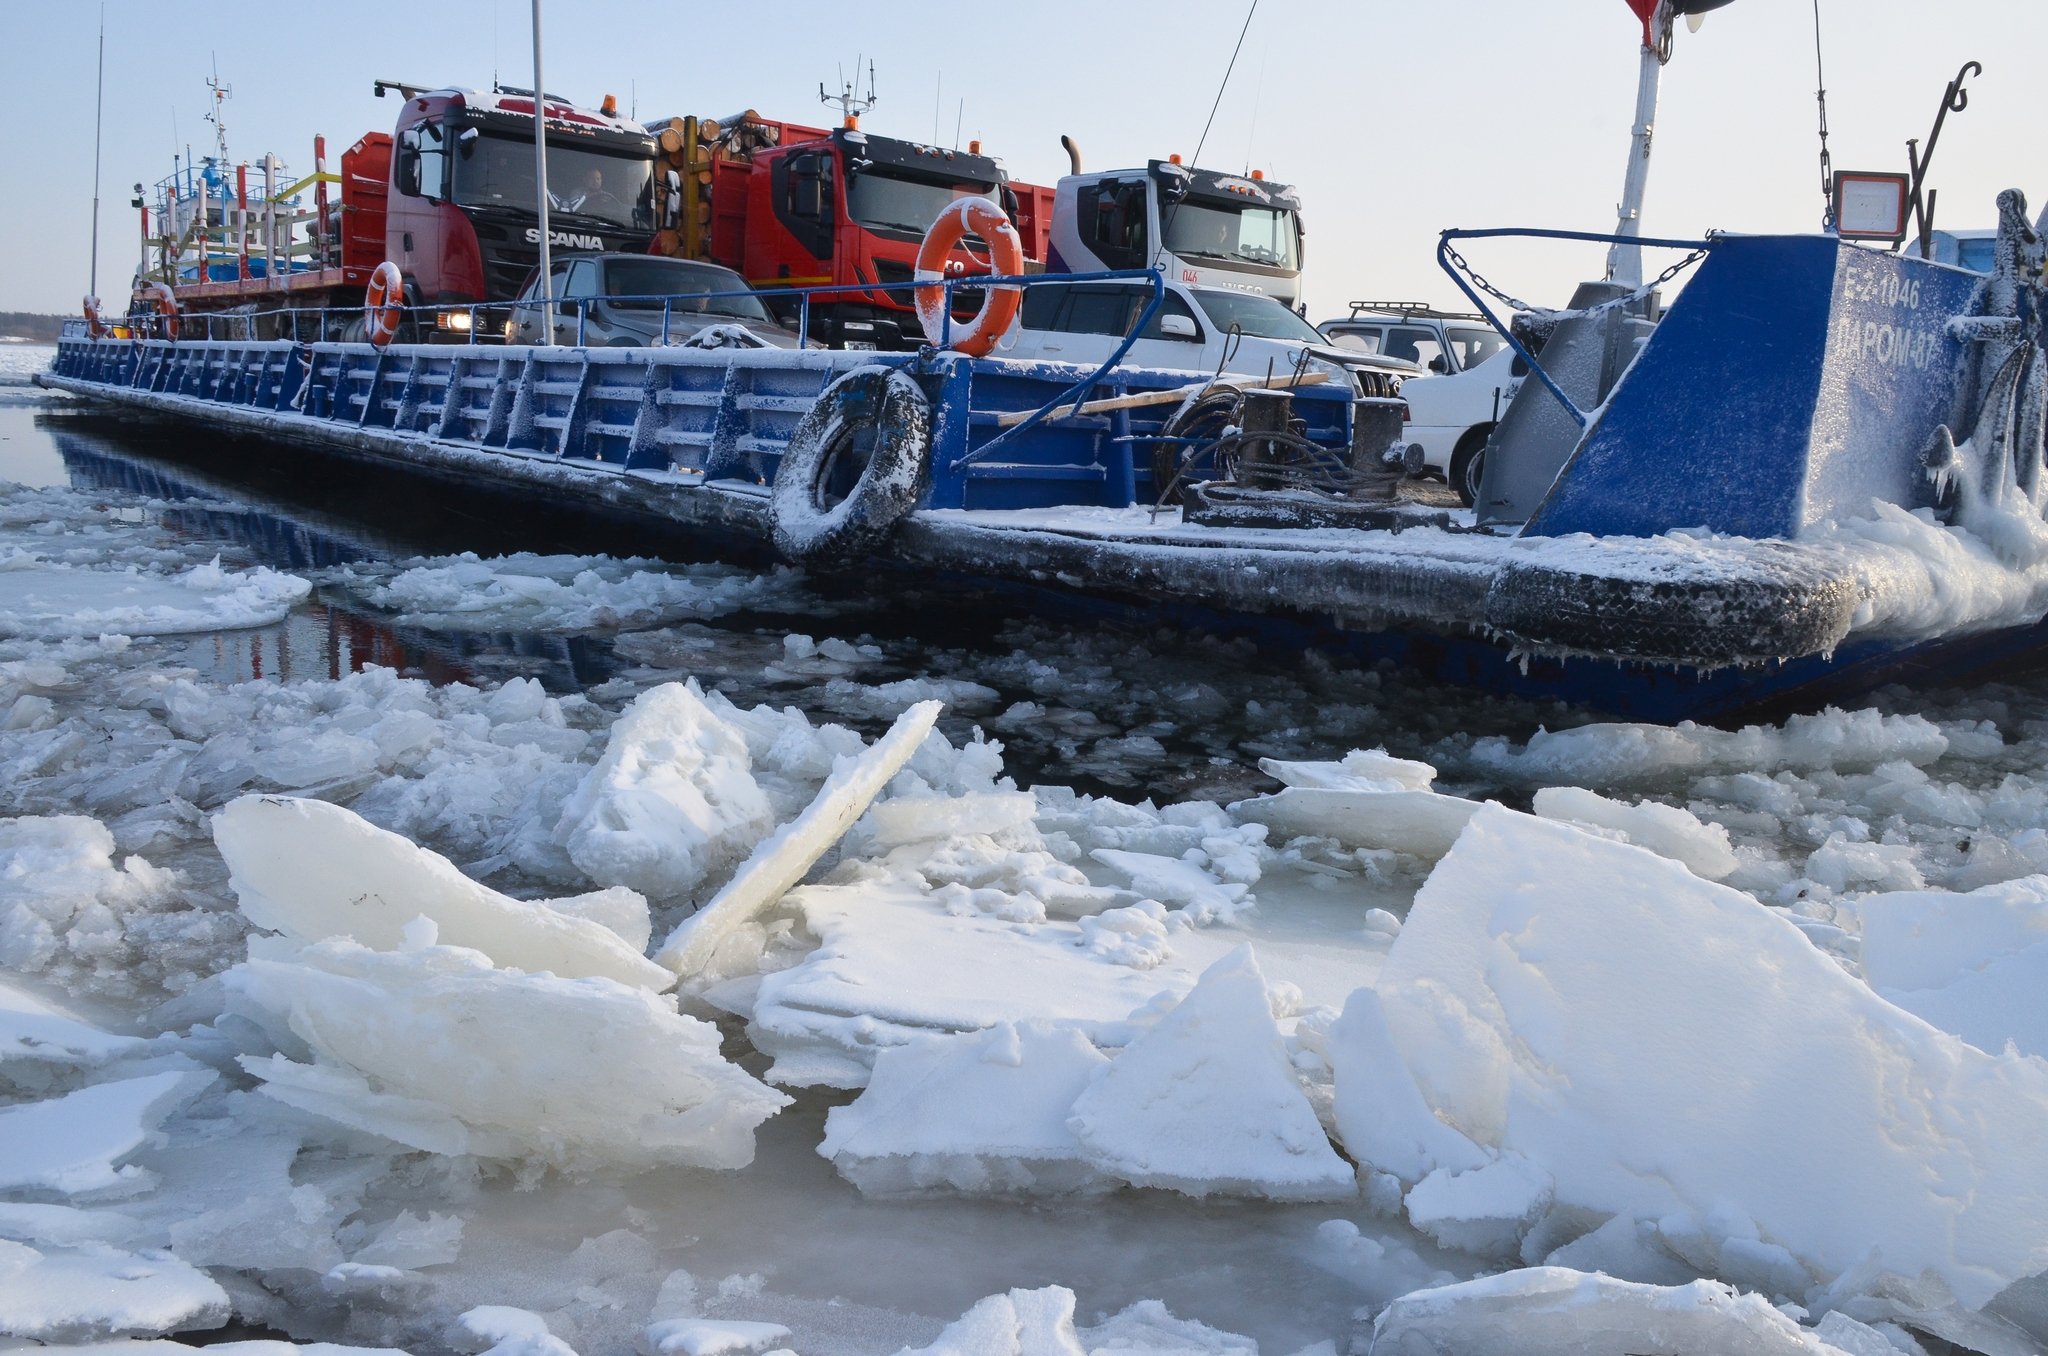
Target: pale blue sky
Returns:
[1394, 119]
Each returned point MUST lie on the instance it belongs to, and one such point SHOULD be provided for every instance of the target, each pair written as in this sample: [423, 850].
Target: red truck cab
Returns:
[462, 217]
[846, 208]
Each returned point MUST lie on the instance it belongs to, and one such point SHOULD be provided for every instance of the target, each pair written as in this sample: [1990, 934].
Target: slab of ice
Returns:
[1623, 753]
[1484, 1210]
[1206, 1101]
[1975, 964]
[31, 1029]
[312, 870]
[1624, 1025]
[779, 861]
[1358, 770]
[1380, 1113]
[64, 896]
[1420, 823]
[891, 966]
[1666, 830]
[437, 1049]
[501, 1330]
[672, 800]
[163, 1346]
[1553, 1311]
[53, 600]
[77, 1143]
[1173, 881]
[983, 1113]
[27, 1222]
[64, 1295]
[712, 1337]
[528, 592]
[1041, 1323]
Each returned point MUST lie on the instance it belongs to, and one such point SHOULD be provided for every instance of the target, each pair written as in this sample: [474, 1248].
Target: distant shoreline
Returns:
[28, 327]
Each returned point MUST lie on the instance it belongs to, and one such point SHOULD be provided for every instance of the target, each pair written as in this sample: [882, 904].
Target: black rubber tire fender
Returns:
[1741, 618]
[856, 463]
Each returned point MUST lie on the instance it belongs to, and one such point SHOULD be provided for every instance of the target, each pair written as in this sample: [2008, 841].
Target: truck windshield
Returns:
[497, 171]
[1256, 315]
[883, 201]
[1254, 235]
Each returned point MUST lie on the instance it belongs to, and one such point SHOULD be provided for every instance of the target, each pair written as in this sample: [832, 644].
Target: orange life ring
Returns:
[94, 326]
[384, 307]
[158, 296]
[999, 304]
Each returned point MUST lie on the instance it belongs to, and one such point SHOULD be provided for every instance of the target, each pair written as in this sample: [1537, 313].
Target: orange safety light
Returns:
[974, 147]
[610, 106]
[1258, 176]
[1173, 159]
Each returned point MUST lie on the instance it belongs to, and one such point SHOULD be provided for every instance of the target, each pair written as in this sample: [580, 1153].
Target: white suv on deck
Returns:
[1197, 329]
[1471, 377]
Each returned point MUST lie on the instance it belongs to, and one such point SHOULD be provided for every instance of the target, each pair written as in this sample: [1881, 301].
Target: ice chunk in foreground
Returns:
[53, 600]
[1659, 1044]
[672, 801]
[1552, 1311]
[1420, 823]
[1358, 770]
[1666, 830]
[1041, 1323]
[77, 1294]
[712, 1337]
[501, 1330]
[76, 1143]
[1975, 964]
[979, 1113]
[435, 1048]
[779, 861]
[1207, 1103]
[32, 1030]
[1485, 1210]
[312, 870]
[1381, 1116]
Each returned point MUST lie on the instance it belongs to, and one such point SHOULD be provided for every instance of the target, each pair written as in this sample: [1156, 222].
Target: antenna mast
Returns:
[851, 103]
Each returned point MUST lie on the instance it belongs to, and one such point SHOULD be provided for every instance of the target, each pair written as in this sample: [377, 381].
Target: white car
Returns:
[1471, 375]
[1451, 417]
[1197, 329]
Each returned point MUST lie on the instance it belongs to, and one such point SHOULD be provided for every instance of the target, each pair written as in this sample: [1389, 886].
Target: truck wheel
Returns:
[1468, 463]
[855, 464]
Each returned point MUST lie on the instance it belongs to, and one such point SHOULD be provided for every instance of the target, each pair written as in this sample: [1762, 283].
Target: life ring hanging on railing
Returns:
[94, 325]
[158, 294]
[999, 304]
[384, 303]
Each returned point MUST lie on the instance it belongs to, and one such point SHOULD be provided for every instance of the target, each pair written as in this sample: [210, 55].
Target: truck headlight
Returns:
[457, 321]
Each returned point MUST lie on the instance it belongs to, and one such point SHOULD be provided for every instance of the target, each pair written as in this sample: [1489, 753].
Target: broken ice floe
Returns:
[38, 598]
[1554, 1311]
[79, 1144]
[1630, 1041]
[1041, 1323]
[310, 870]
[780, 860]
[1366, 800]
[1974, 964]
[436, 1048]
[671, 802]
[528, 592]
[52, 1295]
[1202, 1101]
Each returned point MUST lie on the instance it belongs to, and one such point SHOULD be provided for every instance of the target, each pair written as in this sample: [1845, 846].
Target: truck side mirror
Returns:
[1438, 365]
[1177, 327]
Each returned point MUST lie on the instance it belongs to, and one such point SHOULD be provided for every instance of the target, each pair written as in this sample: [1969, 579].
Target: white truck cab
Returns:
[1197, 329]
[1197, 226]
